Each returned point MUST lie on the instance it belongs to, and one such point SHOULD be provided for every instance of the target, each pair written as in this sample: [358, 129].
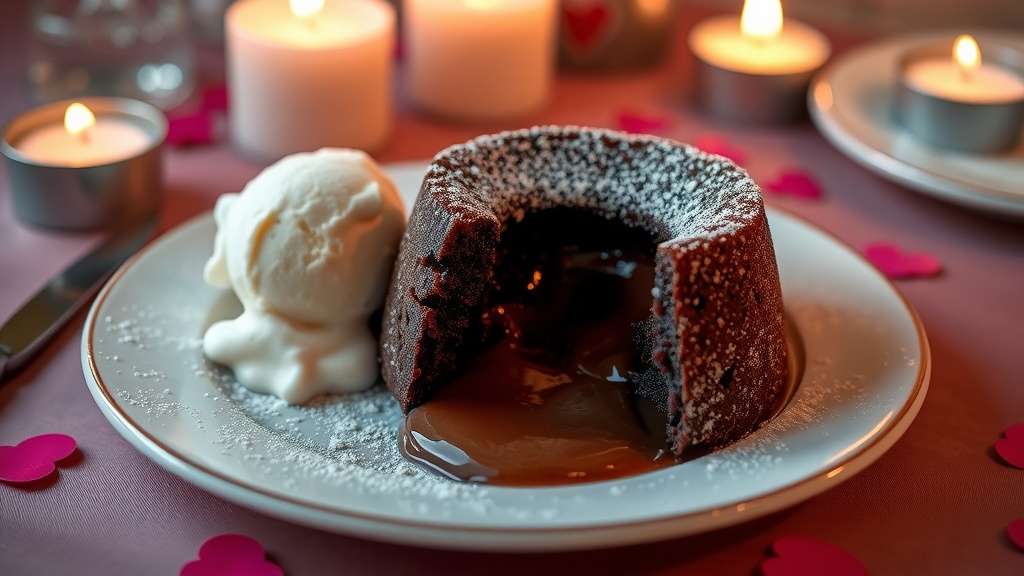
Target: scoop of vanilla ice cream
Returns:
[308, 248]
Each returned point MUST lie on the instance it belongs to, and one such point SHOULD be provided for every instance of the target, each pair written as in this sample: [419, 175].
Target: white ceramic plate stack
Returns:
[865, 378]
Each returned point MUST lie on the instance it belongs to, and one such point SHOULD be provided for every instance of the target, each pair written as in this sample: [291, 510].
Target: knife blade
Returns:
[41, 317]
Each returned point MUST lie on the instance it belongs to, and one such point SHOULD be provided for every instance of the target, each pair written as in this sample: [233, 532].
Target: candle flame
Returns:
[761, 19]
[78, 119]
[306, 9]
[966, 53]
[481, 4]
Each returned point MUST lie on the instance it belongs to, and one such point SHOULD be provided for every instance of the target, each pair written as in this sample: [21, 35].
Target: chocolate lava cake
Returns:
[717, 328]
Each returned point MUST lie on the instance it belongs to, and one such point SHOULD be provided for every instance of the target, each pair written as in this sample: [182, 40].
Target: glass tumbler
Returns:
[132, 48]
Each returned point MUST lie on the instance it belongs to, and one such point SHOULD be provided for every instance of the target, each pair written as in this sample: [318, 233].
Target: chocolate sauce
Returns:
[559, 388]
[550, 394]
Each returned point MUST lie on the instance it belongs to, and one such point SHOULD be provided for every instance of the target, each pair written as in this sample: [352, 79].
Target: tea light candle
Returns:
[960, 102]
[480, 59]
[304, 74]
[82, 140]
[964, 77]
[79, 165]
[756, 67]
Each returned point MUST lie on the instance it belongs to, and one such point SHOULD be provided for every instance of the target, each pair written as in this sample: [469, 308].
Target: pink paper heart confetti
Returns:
[214, 98]
[190, 130]
[34, 458]
[1011, 446]
[721, 145]
[231, 555]
[899, 265]
[800, 556]
[795, 183]
[642, 123]
[1015, 532]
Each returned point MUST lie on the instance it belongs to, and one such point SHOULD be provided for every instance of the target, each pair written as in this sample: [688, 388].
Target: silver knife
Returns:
[32, 326]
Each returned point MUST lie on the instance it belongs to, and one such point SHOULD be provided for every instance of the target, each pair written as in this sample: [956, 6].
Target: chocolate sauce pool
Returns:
[559, 388]
[550, 395]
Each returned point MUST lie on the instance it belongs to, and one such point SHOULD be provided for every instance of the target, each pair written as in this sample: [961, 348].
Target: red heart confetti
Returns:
[1015, 532]
[800, 556]
[231, 555]
[795, 183]
[722, 146]
[34, 458]
[587, 24]
[190, 129]
[899, 265]
[214, 98]
[1011, 446]
[643, 124]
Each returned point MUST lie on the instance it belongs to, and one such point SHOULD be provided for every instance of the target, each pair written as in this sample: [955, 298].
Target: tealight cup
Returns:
[756, 68]
[107, 174]
[977, 122]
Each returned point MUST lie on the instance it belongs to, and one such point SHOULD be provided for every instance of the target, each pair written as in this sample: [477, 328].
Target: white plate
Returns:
[866, 376]
[851, 103]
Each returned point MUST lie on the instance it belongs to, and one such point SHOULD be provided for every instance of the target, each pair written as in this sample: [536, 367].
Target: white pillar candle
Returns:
[480, 59]
[84, 139]
[759, 43]
[965, 78]
[306, 74]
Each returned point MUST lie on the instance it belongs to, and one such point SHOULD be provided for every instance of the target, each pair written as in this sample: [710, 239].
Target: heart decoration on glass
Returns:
[231, 555]
[587, 24]
[1011, 446]
[897, 264]
[801, 556]
[795, 184]
[34, 458]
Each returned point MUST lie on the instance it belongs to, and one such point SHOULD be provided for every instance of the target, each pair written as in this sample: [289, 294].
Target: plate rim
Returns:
[468, 536]
[882, 163]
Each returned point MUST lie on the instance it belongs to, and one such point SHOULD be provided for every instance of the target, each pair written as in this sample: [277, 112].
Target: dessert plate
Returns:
[335, 465]
[851, 102]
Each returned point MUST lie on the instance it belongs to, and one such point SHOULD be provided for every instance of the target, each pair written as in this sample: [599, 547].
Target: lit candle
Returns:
[305, 74]
[480, 59]
[958, 99]
[83, 139]
[84, 164]
[757, 66]
[965, 77]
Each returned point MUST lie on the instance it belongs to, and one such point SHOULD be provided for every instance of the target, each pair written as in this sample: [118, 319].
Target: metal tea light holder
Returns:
[978, 127]
[70, 197]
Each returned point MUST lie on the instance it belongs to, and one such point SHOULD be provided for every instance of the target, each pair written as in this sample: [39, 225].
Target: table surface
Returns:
[937, 503]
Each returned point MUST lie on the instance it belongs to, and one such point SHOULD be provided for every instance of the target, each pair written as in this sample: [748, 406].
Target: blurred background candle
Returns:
[756, 67]
[480, 59]
[305, 74]
[84, 164]
[960, 101]
[83, 140]
[965, 77]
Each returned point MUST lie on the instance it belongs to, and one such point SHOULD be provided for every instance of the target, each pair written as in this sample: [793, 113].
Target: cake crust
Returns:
[720, 336]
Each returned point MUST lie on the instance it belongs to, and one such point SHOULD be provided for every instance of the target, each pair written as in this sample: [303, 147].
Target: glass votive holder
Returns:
[129, 48]
[615, 34]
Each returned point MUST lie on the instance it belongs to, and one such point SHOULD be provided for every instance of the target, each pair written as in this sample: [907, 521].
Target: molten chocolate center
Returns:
[560, 388]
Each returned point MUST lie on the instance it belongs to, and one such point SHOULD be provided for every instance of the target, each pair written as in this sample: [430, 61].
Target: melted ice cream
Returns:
[307, 247]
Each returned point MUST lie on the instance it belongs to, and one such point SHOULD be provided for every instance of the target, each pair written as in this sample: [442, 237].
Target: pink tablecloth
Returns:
[937, 503]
